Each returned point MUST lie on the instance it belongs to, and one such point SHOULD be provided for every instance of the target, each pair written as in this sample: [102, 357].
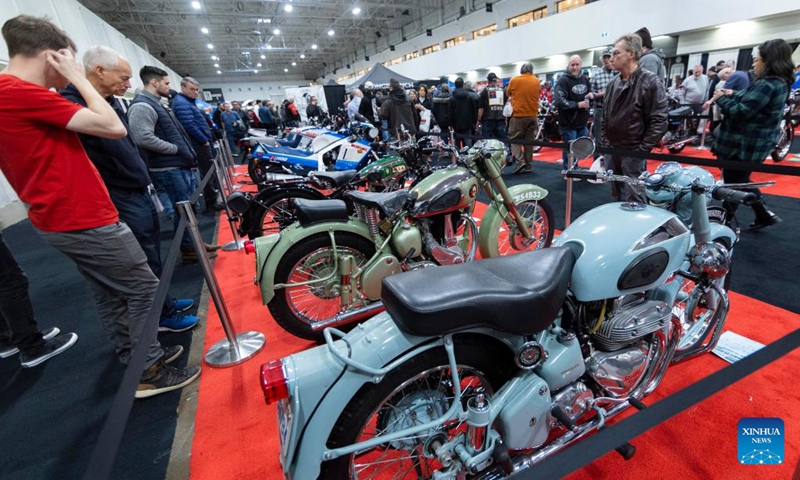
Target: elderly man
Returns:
[125, 174]
[570, 95]
[199, 132]
[523, 92]
[267, 117]
[634, 113]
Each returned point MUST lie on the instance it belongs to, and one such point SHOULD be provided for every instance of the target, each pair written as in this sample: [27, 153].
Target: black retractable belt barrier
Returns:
[594, 447]
[105, 453]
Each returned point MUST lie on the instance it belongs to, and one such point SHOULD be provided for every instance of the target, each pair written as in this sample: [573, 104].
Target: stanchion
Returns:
[237, 243]
[568, 213]
[228, 160]
[236, 348]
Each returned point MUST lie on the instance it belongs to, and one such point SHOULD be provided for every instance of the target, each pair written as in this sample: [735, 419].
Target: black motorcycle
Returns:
[680, 127]
[548, 125]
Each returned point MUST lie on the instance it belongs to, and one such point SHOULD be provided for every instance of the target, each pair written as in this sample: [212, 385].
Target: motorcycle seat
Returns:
[681, 112]
[297, 152]
[337, 179]
[310, 212]
[519, 294]
[388, 203]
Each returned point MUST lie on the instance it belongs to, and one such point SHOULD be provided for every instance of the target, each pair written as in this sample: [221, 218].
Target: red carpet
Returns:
[236, 432]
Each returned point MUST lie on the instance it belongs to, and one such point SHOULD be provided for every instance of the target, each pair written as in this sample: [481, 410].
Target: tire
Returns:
[276, 213]
[420, 386]
[295, 309]
[784, 143]
[543, 222]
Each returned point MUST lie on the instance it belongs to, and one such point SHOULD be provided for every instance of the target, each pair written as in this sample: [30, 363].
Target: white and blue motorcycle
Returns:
[480, 369]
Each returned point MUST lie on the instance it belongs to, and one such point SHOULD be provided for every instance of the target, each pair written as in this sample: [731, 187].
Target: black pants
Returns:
[737, 176]
[17, 324]
[204, 156]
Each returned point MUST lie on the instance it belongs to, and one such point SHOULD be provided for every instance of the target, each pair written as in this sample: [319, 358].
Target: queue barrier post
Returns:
[235, 348]
[237, 243]
[228, 159]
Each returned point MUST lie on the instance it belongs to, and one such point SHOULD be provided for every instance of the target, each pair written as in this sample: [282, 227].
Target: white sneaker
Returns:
[46, 335]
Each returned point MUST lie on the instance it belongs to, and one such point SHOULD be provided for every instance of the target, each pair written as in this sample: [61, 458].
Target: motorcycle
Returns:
[486, 368]
[679, 127]
[548, 130]
[272, 208]
[785, 135]
[326, 269]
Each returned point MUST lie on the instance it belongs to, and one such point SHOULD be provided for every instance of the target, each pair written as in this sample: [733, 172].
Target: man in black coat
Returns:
[463, 112]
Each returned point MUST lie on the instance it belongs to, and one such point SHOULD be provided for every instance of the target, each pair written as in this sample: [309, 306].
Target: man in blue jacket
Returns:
[200, 134]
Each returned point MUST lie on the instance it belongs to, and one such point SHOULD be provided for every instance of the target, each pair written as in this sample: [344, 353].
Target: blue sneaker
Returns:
[178, 323]
[183, 304]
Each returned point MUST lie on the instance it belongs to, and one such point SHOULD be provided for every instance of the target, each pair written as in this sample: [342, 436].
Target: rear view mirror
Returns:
[581, 148]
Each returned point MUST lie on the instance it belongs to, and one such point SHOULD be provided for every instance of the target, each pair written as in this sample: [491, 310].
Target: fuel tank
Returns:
[443, 191]
[384, 172]
[623, 248]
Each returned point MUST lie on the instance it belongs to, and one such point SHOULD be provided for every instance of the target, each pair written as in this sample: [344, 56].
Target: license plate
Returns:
[284, 425]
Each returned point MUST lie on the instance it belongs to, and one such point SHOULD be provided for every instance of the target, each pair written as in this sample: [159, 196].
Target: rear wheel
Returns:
[416, 392]
[276, 212]
[295, 309]
[784, 142]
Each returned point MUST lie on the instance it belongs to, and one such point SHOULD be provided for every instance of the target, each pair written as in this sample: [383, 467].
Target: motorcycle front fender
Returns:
[271, 249]
[494, 216]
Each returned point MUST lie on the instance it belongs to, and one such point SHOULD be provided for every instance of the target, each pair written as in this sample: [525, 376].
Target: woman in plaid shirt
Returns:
[752, 117]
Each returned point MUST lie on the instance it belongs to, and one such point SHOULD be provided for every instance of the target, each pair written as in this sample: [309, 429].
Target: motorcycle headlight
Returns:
[710, 259]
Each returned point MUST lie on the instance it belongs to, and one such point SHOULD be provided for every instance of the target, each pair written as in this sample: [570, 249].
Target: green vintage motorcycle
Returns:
[326, 269]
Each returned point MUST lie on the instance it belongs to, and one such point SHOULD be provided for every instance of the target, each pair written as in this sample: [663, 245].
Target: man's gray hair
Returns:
[189, 81]
[468, 85]
[101, 56]
[633, 43]
[526, 67]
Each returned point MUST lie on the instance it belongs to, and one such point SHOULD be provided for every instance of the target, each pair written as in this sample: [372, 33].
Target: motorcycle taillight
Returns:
[273, 381]
[249, 247]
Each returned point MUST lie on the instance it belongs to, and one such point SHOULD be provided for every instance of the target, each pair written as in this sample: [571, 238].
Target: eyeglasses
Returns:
[617, 53]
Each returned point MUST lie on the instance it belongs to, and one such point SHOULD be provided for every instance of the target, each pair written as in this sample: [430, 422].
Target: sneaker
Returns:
[183, 304]
[47, 334]
[522, 168]
[172, 353]
[161, 378]
[178, 323]
[51, 348]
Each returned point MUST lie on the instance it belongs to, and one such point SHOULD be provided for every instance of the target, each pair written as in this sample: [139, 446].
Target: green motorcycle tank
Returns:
[443, 191]
[385, 171]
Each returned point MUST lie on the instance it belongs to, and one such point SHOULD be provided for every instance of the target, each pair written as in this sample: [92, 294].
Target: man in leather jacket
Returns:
[634, 113]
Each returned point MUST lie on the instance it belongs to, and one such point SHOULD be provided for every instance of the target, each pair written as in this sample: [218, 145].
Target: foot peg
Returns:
[635, 403]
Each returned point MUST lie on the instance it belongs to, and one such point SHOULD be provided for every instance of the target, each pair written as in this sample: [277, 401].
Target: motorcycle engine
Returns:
[631, 318]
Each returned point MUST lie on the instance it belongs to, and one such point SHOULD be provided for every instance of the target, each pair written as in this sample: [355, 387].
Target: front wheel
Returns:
[504, 237]
[418, 391]
[296, 308]
[784, 142]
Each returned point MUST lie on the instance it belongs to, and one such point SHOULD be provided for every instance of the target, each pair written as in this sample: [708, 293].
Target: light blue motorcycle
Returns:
[484, 368]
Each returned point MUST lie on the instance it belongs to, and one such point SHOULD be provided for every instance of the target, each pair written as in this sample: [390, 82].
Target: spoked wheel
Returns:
[539, 138]
[698, 310]
[784, 142]
[506, 240]
[297, 308]
[276, 213]
[417, 392]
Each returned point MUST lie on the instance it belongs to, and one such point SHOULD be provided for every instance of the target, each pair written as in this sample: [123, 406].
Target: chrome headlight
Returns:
[710, 259]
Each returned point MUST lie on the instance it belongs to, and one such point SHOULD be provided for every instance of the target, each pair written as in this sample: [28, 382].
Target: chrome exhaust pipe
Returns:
[349, 317]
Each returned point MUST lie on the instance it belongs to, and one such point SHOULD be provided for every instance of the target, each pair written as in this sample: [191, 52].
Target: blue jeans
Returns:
[568, 135]
[494, 129]
[179, 183]
[137, 211]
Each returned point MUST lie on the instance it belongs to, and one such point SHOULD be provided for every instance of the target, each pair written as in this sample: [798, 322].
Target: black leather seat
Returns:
[388, 203]
[681, 112]
[314, 211]
[519, 294]
[336, 179]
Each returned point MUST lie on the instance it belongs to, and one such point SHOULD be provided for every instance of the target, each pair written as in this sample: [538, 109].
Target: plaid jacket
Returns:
[752, 117]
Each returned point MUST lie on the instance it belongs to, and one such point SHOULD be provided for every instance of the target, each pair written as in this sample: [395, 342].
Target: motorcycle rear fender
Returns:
[270, 251]
[494, 216]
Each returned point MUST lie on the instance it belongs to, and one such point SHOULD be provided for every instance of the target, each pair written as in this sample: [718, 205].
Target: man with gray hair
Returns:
[634, 113]
[523, 93]
[194, 122]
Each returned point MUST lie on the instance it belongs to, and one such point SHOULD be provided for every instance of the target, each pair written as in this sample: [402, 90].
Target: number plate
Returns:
[284, 426]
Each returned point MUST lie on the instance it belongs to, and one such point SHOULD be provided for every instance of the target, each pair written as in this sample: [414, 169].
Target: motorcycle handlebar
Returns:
[734, 196]
[583, 174]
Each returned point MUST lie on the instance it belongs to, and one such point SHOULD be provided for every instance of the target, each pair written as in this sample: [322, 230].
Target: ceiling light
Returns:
[269, 47]
[660, 37]
[204, 30]
[196, 5]
[210, 46]
[302, 55]
[287, 8]
[330, 33]
[294, 64]
[285, 69]
[216, 65]
[219, 72]
[255, 71]
[258, 64]
[356, 11]
[314, 46]
[276, 32]
[263, 57]
[214, 57]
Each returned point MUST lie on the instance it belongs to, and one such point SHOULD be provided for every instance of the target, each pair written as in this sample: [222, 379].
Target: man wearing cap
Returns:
[652, 60]
[597, 87]
[367, 106]
[490, 109]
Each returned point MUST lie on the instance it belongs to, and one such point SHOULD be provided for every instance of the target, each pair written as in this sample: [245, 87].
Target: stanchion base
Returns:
[222, 354]
[238, 174]
[234, 245]
[702, 147]
[235, 187]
